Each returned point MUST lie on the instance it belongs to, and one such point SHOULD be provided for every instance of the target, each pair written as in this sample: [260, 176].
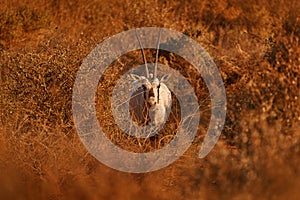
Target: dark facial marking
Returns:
[151, 93]
[158, 93]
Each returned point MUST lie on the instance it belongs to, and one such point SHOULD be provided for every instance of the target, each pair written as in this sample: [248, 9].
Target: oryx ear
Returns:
[135, 77]
[165, 78]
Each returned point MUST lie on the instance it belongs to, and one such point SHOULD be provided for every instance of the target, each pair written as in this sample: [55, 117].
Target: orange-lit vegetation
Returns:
[255, 45]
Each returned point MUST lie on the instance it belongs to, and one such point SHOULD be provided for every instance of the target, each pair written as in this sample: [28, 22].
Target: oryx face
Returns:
[153, 98]
[151, 89]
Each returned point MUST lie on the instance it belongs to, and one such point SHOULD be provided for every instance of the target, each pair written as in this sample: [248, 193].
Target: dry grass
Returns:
[256, 47]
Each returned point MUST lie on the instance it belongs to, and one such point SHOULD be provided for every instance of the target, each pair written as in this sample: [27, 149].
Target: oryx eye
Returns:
[151, 92]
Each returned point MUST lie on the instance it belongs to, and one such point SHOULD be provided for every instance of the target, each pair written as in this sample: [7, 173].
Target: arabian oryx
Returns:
[152, 101]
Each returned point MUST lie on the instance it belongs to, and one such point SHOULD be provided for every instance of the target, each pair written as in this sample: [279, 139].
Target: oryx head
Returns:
[152, 88]
[151, 84]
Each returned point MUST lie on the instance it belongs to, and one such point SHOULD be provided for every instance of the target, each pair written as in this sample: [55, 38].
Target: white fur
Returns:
[159, 112]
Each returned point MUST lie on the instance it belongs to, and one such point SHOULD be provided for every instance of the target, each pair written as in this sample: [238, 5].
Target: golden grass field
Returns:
[256, 47]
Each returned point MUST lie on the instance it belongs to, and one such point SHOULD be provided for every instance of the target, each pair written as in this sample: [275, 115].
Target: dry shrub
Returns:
[255, 45]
